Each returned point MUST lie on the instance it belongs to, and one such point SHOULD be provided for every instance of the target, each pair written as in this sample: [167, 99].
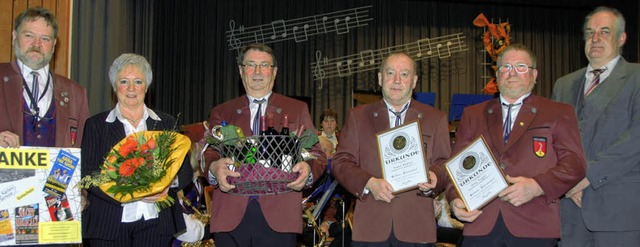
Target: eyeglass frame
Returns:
[253, 66]
[511, 67]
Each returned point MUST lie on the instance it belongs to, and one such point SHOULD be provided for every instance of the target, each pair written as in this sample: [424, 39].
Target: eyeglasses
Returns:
[254, 66]
[520, 68]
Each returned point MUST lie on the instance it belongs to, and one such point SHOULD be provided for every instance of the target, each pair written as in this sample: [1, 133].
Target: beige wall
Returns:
[9, 9]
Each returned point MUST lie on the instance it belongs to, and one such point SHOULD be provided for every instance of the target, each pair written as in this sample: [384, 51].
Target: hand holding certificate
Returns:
[476, 175]
[402, 157]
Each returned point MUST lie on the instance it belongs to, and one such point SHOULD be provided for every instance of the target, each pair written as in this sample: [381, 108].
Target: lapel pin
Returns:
[490, 111]
[6, 79]
[239, 111]
[534, 110]
[375, 114]
[420, 115]
[521, 123]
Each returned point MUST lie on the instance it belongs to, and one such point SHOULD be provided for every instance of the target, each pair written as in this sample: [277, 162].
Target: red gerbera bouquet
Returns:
[140, 165]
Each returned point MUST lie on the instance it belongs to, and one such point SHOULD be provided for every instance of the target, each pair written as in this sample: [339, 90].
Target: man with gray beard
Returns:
[52, 109]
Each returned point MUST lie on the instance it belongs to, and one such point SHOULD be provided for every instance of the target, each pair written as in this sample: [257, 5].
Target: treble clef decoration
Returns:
[234, 42]
[318, 72]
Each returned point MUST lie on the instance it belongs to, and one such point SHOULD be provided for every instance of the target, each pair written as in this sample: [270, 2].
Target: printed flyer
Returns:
[39, 196]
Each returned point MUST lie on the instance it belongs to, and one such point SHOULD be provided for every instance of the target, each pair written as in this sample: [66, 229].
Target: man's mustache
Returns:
[35, 49]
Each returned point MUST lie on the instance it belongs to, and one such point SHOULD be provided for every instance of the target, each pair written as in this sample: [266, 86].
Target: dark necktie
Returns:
[35, 88]
[398, 115]
[507, 122]
[596, 80]
[256, 118]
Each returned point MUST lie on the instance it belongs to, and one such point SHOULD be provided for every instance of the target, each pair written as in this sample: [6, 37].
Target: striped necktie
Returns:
[256, 118]
[507, 122]
[596, 80]
[35, 88]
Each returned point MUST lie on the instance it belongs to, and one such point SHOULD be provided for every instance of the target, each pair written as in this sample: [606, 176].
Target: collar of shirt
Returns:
[128, 127]
[608, 68]
[26, 73]
[328, 136]
[514, 109]
[254, 106]
[392, 117]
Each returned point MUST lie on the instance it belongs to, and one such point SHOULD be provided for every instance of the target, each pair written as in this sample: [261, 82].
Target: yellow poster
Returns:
[39, 200]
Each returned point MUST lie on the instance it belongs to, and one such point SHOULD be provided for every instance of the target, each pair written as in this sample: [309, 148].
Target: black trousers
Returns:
[392, 241]
[501, 237]
[134, 234]
[254, 230]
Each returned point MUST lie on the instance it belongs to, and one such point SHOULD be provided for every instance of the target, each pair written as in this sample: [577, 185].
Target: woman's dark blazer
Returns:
[102, 216]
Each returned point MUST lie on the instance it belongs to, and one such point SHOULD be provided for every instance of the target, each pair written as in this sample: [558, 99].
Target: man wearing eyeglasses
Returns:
[265, 220]
[38, 107]
[537, 144]
[602, 209]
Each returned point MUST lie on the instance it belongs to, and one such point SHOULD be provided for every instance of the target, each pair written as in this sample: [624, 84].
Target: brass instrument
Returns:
[312, 221]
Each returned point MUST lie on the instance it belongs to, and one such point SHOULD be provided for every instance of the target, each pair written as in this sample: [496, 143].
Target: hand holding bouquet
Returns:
[143, 164]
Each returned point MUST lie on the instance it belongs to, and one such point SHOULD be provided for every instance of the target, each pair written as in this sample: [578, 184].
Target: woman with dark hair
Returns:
[328, 129]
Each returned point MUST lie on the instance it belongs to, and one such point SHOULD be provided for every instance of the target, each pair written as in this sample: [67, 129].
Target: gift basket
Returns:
[265, 161]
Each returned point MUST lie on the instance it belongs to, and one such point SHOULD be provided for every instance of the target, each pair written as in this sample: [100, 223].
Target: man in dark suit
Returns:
[382, 218]
[602, 209]
[537, 144]
[39, 108]
[266, 220]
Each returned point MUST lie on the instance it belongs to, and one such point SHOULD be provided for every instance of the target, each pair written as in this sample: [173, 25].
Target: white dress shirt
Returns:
[134, 211]
[43, 77]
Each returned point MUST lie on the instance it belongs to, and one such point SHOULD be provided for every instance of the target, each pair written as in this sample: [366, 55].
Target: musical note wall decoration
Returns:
[300, 29]
[441, 47]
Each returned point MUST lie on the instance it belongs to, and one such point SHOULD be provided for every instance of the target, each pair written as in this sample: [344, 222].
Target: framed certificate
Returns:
[476, 175]
[402, 157]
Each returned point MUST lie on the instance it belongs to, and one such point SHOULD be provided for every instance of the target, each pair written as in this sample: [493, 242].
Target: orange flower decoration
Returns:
[127, 168]
[133, 170]
[129, 146]
[147, 146]
[112, 159]
[138, 161]
[144, 148]
[151, 143]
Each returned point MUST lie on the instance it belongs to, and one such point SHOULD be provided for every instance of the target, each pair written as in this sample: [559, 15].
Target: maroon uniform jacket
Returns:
[544, 144]
[357, 160]
[283, 212]
[70, 99]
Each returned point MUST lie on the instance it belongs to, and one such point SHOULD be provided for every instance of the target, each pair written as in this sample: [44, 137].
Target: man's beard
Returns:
[33, 64]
